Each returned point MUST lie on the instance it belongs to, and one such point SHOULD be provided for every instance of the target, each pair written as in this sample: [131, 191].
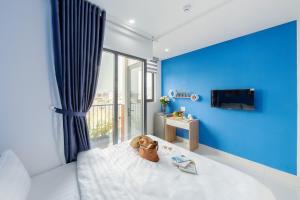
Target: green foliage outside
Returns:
[101, 129]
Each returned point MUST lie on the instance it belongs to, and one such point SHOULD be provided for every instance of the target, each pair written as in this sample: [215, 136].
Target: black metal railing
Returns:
[100, 120]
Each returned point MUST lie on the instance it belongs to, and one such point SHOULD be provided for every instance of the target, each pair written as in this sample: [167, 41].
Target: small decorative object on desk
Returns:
[190, 117]
[178, 114]
[164, 101]
[184, 164]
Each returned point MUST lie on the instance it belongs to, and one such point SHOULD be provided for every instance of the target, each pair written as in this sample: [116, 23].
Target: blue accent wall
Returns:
[266, 61]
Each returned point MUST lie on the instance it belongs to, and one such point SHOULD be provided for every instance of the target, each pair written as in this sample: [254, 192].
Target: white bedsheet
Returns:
[118, 173]
[57, 184]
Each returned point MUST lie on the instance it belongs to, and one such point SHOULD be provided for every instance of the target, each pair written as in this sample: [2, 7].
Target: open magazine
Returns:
[184, 164]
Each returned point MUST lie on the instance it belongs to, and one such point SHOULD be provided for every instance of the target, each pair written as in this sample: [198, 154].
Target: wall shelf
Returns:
[182, 97]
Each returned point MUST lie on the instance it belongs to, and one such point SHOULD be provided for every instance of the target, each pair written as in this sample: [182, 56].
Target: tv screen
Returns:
[241, 99]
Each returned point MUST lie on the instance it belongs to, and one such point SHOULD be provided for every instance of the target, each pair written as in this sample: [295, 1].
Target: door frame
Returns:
[128, 99]
[115, 88]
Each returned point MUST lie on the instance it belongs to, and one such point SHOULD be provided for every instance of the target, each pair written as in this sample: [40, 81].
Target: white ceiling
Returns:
[209, 21]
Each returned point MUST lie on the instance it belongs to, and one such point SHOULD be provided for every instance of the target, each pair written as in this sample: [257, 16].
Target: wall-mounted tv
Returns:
[240, 99]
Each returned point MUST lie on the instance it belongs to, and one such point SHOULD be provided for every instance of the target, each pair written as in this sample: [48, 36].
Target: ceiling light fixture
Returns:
[131, 21]
[187, 8]
[166, 50]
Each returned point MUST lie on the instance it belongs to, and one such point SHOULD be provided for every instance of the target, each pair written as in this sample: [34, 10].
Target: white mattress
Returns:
[57, 184]
[119, 173]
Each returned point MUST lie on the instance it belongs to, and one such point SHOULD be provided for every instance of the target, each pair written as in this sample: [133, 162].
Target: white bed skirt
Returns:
[118, 173]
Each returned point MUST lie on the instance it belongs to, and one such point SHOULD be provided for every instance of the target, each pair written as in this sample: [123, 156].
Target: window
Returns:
[150, 86]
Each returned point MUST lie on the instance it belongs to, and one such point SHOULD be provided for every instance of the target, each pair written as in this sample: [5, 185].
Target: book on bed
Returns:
[184, 164]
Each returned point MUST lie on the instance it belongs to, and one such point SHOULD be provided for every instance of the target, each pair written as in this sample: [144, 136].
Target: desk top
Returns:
[181, 119]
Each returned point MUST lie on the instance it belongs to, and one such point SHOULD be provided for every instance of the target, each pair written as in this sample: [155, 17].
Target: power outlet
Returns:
[182, 108]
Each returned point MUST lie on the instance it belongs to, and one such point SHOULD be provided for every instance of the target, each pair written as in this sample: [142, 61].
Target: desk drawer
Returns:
[178, 124]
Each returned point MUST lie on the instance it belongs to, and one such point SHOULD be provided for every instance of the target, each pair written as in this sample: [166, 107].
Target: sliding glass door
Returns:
[118, 111]
[101, 114]
[131, 92]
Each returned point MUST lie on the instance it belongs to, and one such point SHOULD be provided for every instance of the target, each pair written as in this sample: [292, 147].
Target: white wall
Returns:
[25, 120]
[124, 41]
[154, 107]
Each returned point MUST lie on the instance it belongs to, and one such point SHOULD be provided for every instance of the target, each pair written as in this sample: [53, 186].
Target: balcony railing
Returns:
[100, 121]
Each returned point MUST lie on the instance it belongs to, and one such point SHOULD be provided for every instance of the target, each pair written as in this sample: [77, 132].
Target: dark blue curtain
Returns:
[78, 30]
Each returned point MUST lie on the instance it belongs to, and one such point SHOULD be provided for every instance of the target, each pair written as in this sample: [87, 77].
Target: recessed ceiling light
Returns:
[166, 50]
[187, 8]
[131, 21]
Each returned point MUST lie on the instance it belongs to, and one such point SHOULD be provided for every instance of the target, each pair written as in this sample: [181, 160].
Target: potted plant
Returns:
[164, 100]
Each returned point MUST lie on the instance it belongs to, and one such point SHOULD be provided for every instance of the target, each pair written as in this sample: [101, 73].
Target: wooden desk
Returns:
[191, 125]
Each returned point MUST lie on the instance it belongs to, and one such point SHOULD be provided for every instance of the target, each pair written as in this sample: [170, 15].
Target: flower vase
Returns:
[163, 108]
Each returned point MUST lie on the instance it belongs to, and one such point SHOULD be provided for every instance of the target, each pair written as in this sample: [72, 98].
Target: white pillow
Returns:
[15, 181]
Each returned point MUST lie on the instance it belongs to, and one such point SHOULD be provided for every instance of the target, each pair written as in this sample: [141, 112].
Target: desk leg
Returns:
[193, 136]
[170, 133]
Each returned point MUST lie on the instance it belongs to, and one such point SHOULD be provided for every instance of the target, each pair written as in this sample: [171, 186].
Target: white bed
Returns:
[57, 184]
[16, 184]
[118, 173]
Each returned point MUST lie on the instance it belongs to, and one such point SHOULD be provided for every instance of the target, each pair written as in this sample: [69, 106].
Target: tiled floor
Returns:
[281, 190]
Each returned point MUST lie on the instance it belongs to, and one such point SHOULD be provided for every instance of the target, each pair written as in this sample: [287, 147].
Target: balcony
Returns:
[100, 123]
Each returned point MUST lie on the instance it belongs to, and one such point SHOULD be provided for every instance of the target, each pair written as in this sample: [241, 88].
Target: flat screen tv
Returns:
[240, 99]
